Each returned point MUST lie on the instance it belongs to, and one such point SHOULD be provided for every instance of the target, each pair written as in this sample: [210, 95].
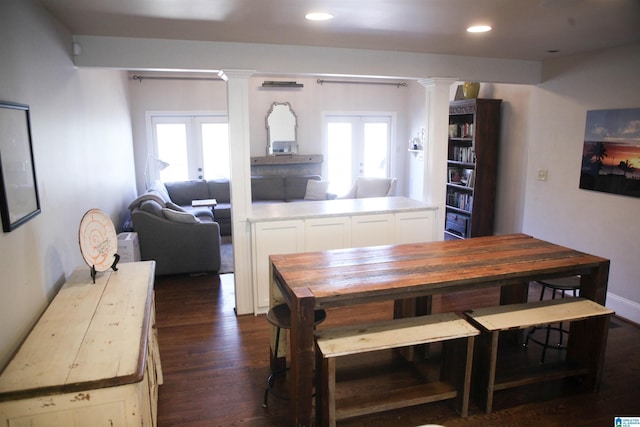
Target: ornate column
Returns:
[435, 148]
[240, 158]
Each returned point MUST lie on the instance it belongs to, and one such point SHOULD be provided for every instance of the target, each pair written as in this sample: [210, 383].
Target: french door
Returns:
[356, 145]
[194, 146]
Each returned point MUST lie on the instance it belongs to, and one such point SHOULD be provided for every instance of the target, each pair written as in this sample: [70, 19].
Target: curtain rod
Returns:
[140, 78]
[397, 84]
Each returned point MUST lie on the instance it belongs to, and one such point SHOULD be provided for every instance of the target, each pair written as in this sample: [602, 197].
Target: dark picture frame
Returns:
[19, 201]
[611, 152]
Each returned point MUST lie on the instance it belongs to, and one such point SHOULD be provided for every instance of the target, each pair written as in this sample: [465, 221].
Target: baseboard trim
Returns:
[624, 307]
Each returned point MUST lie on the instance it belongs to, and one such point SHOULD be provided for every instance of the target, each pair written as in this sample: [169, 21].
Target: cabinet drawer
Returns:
[457, 224]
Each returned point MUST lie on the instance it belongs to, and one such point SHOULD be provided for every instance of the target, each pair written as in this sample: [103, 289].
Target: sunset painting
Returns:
[611, 153]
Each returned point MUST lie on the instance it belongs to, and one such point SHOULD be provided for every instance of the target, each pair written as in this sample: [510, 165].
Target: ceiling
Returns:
[522, 29]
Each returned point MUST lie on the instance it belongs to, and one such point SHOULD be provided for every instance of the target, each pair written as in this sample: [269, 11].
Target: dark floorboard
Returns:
[216, 363]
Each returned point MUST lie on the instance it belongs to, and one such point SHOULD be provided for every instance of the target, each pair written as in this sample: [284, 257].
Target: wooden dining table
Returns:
[414, 272]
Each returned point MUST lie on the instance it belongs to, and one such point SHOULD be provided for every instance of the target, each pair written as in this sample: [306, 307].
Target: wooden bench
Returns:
[454, 331]
[588, 328]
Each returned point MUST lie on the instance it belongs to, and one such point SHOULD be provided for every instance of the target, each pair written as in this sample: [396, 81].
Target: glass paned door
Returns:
[215, 149]
[189, 147]
[356, 146]
[339, 156]
[172, 149]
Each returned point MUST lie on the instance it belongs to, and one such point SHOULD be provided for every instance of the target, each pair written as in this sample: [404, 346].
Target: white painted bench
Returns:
[589, 326]
[448, 328]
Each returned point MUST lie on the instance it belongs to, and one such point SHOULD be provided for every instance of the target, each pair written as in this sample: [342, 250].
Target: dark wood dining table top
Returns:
[347, 276]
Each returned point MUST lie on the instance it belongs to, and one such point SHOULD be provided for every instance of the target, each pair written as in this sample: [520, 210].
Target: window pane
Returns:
[339, 157]
[375, 149]
[172, 149]
[215, 148]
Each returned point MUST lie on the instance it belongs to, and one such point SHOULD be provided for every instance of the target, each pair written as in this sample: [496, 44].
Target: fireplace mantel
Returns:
[287, 159]
[294, 164]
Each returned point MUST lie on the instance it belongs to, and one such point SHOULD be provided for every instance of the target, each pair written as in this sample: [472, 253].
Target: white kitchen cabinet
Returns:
[372, 230]
[270, 238]
[414, 227]
[327, 233]
[331, 224]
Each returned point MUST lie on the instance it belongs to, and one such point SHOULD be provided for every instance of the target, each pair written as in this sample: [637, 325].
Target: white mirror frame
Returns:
[282, 124]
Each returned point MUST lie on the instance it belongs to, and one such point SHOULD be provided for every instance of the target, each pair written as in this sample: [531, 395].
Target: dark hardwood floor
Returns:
[216, 363]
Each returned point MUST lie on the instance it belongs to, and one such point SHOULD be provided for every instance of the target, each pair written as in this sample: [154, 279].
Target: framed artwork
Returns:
[454, 176]
[611, 153]
[19, 200]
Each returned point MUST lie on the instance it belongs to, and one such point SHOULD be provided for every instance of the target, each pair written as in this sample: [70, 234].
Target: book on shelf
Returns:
[464, 154]
[468, 177]
[460, 200]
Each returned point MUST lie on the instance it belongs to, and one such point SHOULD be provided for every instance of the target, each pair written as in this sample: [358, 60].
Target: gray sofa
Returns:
[264, 189]
[179, 242]
[182, 239]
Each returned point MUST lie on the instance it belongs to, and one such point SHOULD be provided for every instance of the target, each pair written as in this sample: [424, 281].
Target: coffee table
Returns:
[201, 203]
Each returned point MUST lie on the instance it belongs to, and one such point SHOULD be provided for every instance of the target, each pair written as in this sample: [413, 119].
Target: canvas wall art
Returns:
[611, 152]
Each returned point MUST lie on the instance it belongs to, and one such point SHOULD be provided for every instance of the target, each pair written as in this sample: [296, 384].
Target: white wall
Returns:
[513, 148]
[557, 210]
[512, 156]
[168, 95]
[83, 158]
[308, 103]
[414, 171]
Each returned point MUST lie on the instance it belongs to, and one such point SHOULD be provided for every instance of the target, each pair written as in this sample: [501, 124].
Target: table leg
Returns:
[410, 307]
[514, 294]
[302, 359]
[594, 285]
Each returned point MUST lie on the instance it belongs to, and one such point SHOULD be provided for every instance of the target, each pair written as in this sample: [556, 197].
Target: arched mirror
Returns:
[281, 124]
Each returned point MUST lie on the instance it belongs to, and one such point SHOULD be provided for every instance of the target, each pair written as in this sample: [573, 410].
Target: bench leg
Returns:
[457, 361]
[465, 387]
[484, 371]
[586, 347]
[325, 390]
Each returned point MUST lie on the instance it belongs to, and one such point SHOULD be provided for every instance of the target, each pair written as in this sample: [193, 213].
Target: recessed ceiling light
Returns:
[479, 29]
[318, 16]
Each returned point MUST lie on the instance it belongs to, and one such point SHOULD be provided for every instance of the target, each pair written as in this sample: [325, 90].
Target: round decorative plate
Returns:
[98, 240]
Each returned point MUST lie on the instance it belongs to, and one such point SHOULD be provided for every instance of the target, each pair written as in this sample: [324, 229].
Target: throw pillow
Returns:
[182, 217]
[316, 190]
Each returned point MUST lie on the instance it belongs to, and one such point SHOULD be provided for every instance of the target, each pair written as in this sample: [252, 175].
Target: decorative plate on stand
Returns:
[98, 241]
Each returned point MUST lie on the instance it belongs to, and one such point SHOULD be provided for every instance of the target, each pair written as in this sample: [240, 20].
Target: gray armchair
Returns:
[371, 187]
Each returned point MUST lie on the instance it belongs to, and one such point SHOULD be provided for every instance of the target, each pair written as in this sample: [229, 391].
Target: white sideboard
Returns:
[281, 228]
[92, 358]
